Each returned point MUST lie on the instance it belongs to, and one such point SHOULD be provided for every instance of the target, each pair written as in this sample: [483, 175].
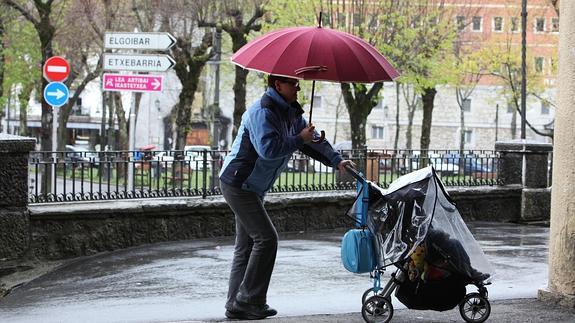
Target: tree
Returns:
[238, 19]
[38, 13]
[84, 55]
[2, 61]
[505, 65]
[359, 98]
[21, 71]
[412, 102]
[429, 56]
[469, 70]
[181, 20]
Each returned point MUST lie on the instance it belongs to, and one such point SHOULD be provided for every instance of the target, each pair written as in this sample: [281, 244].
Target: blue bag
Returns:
[357, 254]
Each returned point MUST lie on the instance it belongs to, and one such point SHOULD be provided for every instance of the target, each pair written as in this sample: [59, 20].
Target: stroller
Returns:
[414, 226]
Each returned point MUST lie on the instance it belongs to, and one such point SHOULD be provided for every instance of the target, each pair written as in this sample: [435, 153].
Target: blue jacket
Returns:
[266, 140]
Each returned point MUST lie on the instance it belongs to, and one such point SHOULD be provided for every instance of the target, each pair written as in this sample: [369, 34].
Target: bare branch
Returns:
[23, 11]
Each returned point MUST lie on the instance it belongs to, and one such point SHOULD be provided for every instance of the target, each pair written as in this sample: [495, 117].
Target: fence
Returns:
[86, 175]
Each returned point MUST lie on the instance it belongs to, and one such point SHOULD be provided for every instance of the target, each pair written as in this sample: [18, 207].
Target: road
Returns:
[187, 280]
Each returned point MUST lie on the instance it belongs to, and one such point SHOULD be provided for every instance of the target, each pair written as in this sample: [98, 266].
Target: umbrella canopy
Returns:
[315, 53]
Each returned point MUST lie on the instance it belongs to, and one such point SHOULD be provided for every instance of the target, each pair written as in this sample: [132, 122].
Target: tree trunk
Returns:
[138, 99]
[359, 103]
[2, 57]
[184, 115]
[428, 98]
[110, 135]
[239, 99]
[24, 98]
[122, 122]
[409, 128]
[461, 137]
[514, 124]
[396, 140]
[357, 123]
[461, 130]
[122, 134]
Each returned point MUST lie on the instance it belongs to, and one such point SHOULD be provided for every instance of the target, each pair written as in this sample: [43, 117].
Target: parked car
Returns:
[81, 155]
[441, 164]
[194, 154]
[473, 164]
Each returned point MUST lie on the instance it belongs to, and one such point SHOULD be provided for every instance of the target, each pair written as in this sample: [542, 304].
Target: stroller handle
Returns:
[355, 173]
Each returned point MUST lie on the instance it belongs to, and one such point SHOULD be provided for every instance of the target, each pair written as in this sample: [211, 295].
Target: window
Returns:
[555, 25]
[476, 23]
[539, 64]
[510, 107]
[376, 132]
[514, 24]
[317, 101]
[544, 107]
[466, 105]
[468, 134]
[539, 25]
[460, 22]
[498, 24]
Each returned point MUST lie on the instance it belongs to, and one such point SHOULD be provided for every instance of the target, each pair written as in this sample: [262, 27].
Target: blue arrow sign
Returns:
[56, 94]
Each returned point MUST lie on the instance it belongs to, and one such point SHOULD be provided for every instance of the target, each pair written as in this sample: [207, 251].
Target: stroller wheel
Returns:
[377, 309]
[474, 308]
[369, 293]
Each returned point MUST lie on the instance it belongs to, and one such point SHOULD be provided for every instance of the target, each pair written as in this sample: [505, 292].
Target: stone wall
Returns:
[76, 229]
[14, 219]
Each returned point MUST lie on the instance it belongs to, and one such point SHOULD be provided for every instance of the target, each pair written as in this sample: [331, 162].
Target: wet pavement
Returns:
[187, 281]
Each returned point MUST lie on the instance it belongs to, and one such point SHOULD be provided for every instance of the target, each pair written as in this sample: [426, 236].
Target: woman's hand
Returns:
[307, 133]
[343, 163]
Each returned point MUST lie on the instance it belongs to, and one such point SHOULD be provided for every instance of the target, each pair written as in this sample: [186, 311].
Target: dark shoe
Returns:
[234, 315]
[245, 311]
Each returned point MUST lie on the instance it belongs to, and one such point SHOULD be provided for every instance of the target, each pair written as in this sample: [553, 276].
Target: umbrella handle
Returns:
[320, 139]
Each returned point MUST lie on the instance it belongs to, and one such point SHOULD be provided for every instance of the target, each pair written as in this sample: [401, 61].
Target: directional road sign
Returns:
[138, 62]
[56, 69]
[56, 94]
[142, 41]
[134, 83]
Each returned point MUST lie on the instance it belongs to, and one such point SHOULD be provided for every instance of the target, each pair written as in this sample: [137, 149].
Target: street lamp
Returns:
[523, 66]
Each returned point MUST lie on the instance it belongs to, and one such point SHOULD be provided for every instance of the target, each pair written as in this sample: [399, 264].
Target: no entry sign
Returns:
[56, 69]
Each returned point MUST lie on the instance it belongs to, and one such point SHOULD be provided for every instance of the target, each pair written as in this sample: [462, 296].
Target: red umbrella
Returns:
[315, 53]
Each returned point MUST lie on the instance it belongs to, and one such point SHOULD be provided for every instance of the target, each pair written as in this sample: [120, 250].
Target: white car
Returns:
[195, 156]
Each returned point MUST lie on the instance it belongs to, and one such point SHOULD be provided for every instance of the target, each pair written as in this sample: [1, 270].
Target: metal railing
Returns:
[84, 176]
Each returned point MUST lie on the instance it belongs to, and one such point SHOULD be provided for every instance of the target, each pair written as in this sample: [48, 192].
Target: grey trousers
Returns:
[255, 248]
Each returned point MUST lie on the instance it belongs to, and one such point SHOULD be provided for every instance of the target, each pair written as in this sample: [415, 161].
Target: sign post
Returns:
[56, 70]
[136, 63]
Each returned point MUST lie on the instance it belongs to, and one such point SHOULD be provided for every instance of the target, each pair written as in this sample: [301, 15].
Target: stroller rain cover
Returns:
[415, 208]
